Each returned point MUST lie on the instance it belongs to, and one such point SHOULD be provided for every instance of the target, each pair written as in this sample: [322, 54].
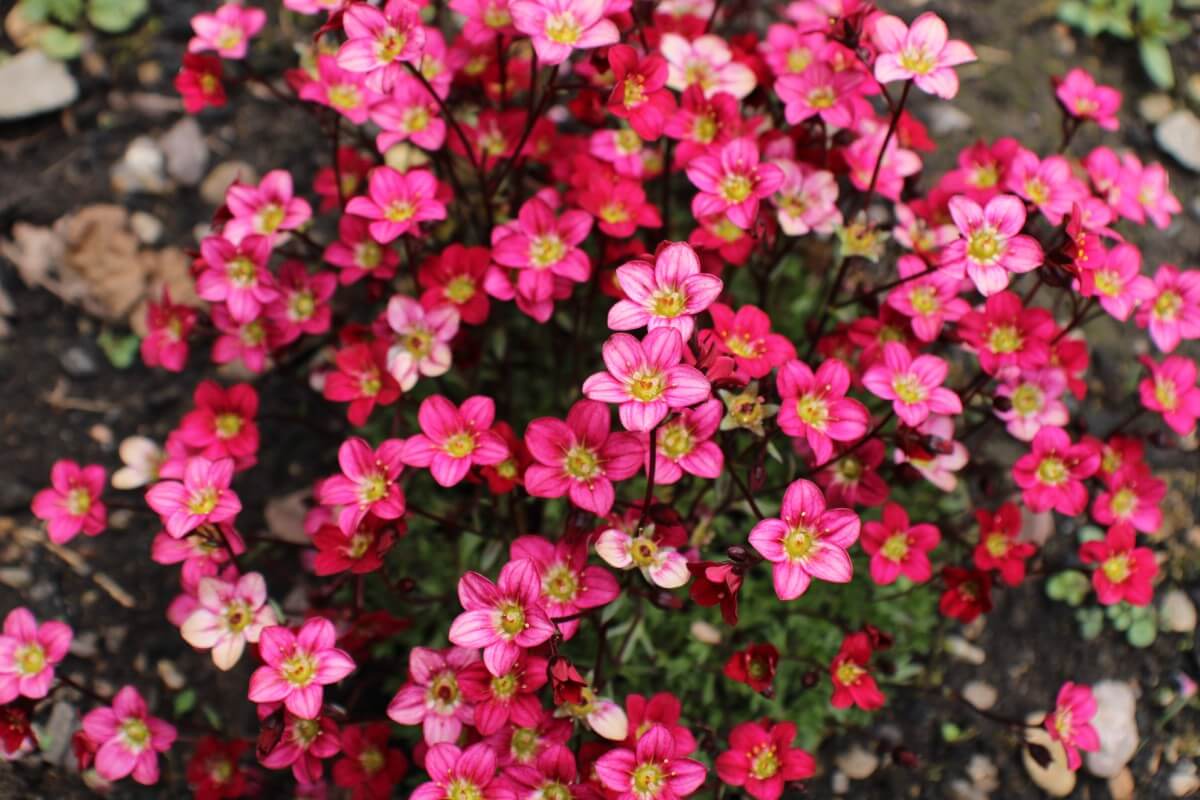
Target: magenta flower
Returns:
[1052, 475]
[732, 182]
[1134, 497]
[357, 255]
[820, 91]
[28, 655]
[1036, 401]
[223, 423]
[928, 301]
[502, 618]
[457, 773]
[747, 337]
[237, 275]
[410, 114]
[1124, 572]
[559, 27]
[898, 548]
[815, 406]
[397, 202]
[667, 294]
[380, 41]
[650, 771]
[1007, 334]
[761, 759]
[421, 345]
[542, 246]
[646, 378]
[433, 698]
[638, 93]
[685, 444]
[368, 483]
[1172, 310]
[1171, 391]
[266, 209]
[72, 503]
[1047, 183]
[914, 385]
[1117, 281]
[203, 496]
[923, 54]
[992, 245]
[453, 439]
[227, 616]
[1070, 723]
[128, 738]
[302, 745]
[511, 697]
[298, 666]
[806, 541]
[228, 30]
[1083, 98]
[580, 457]
[569, 584]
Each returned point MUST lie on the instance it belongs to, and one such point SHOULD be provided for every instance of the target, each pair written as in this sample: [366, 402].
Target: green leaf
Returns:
[121, 350]
[115, 16]
[1156, 60]
[185, 701]
[1142, 633]
[1075, 13]
[1090, 533]
[211, 716]
[1153, 9]
[61, 44]
[1069, 586]
[1091, 622]
[65, 11]
[34, 10]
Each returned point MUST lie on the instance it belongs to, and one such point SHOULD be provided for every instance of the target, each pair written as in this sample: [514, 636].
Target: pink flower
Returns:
[652, 550]
[303, 303]
[410, 114]
[806, 541]
[542, 245]
[202, 497]
[361, 380]
[1171, 391]
[222, 424]
[1052, 475]
[1046, 183]
[992, 245]
[342, 90]
[646, 378]
[819, 91]
[853, 683]
[228, 31]
[568, 584]
[508, 697]
[1070, 723]
[558, 27]
[453, 439]
[502, 618]
[854, 479]
[923, 54]
[747, 337]
[898, 548]
[298, 665]
[929, 301]
[732, 182]
[650, 771]
[301, 745]
[619, 206]
[998, 547]
[72, 503]
[227, 616]
[1083, 98]
[237, 275]
[685, 444]
[380, 41]
[266, 209]
[485, 19]
[1118, 281]
[706, 63]
[368, 483]
[1007, 334]
[761, 759]
[128, 738]
[455, 277]
[806, 200]
[421, 345]
[815, 406]
[667, 294]
[638, 93]
[580, 457]
[914, 385]
[469, 773]
[358, 255]
[1124, 572]
[397, 202]
[1134, 497]
[1172, 310]
[28, 655]
[433, 698]
[168, 326]
[1035, 398]
[895, 164]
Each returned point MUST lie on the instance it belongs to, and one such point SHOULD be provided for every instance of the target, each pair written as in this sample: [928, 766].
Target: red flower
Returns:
[998, 547]
[754, 666]
[199, 82]
[362, 380]
[360, 551]
[639, 94]
[713, 584]
[222, 424]
[968, 593]
[213, 771]
[663, 709]
[761, 759]
[853, 684]
[369, 768]
[1124, 571]
[456, 278]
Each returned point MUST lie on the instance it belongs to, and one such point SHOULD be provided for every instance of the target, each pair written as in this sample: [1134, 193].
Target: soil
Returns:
[50, 406]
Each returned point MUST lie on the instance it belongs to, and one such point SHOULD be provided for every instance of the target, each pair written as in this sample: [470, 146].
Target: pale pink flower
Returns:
[706, 62]
[227, 30]
[453, 439]
[806, 541]
[1035, 400]
[380, 41]
[660, 564]
[142, 458]
[928, 301]
[941, 466]
[397, 202]
[559, 27]
[666, 294]
[128, 738]
[914, 385]
[502, 618]
[227, 616]
[992, 245]
[368, 483]
[421, 345]
[203, 496]
[298, 666]
[732, 182]
[806, 200]
[28, 654]
[923, 53]
[646, 378]
[72, 503]
[432, 697]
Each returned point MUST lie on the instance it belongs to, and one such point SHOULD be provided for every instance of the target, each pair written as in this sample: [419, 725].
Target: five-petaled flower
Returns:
[298, 666]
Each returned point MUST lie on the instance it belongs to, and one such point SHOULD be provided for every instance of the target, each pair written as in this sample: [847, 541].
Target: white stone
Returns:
[186, 151]
[1178, 612]
[963, 650]
[141, 169]
[34, 84]
[1116, 724]
[1179, 135]
[980, 694]
[858, 763]
[1184, 780]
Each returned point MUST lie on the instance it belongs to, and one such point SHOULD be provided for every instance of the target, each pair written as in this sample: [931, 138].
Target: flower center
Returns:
[669, 302]
[746, 410]
[698, 72]
[1027, 399]
[799, 543]
[1052, 471]
[1038, 191]
[237, 616]
[581, 463]
[305, 732]
[647, 385]
[985, 176]
[242, 271]
[1165, 393]
[850, 470]
[136, 734]
[813, 410]
[917, 60]
[822, 97]
[1168, 304]
[370, 384]
[523, 744]
[203, 501]
[895, 548]
[643, 551]
[443, 692]
[1107, 282]
[628, 142]
[675, 441]
[253, 334]
[546, 251]
[374, 487]
[463, 789]
[984, 245]
[554, 790]
[504, 687]
[740, 344]
[344, 96]
[299, 669]
[460, 445]
[360, 543]
[400, 211]
[270, 218]
[798, 59]
[79, 501]
[560, 583]
[1004, 339]
[996, 544]
[908, 388]
[229, 38]
[461, 289]
[635, 91]
[371, 760]
[764, 762]
[1124, 502]
[648, 779]
[1116, 568]
[511, 620]
[496, 15]
[924, 300]
[416, 119]
[563, 28]
[228, 425]
[220, 770]
[848, 673]
[30, 659]
[705, 128]
[736, 188]
[1062, 724]
[391, 45]
[302, 305]
[369, 255]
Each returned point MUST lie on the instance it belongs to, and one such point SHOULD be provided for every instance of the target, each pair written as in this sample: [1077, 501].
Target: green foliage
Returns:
[1069, 586]
[63, 20]
[121, 350]
[1139, 623]
[115, 16]
[185, 701]
[1150, 23]
[59, 43]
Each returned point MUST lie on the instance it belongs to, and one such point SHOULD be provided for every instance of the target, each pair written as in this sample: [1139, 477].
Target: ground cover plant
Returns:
[673, 416]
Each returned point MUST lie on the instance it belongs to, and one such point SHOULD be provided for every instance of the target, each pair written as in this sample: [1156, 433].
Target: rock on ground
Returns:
[34, 84]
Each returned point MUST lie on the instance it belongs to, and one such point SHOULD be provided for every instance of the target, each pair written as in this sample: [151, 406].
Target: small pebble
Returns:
[78, 363]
